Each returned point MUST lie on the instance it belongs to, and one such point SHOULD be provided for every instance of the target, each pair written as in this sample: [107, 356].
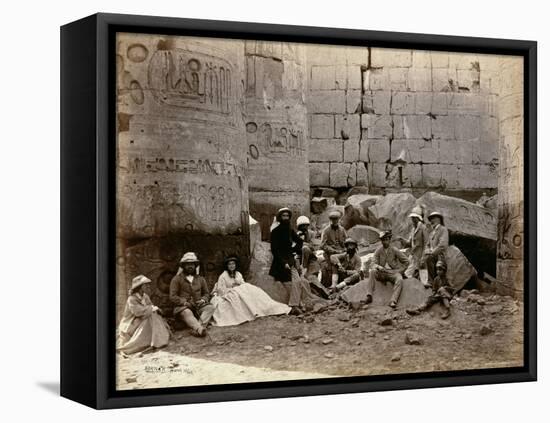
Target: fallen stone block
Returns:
[459, 269]
[462, 217]
[320, 204]
[364, 234]
[392, 213]
[413, 294]
[356, 210]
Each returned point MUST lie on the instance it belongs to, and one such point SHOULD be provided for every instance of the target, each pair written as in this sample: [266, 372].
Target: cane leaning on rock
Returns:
[190, 295]
[437, 244]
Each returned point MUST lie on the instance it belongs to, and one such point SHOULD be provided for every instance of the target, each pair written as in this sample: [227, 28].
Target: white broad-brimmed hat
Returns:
[138, 281]
[189, 257]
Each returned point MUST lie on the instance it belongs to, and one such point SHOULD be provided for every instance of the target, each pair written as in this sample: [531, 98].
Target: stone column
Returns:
[276, 126]
[510, 183]
[181, 157]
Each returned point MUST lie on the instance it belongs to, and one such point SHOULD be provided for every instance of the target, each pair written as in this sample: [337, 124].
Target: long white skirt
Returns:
[244, 303]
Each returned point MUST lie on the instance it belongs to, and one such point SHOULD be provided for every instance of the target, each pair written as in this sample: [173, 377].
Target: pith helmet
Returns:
[302, 220]
[417, 212]
[436, 214]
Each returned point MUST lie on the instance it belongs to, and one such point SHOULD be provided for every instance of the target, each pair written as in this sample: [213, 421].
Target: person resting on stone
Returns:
[190, 295]
[141, 327]
[305, 248]
[438, 241]
[347, 265]
[332, 242]
[388, 266]
[236, 301]
[442, 293]
[416, 242]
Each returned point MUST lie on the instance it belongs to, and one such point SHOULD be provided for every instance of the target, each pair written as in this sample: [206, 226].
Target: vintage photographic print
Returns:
[292, 211]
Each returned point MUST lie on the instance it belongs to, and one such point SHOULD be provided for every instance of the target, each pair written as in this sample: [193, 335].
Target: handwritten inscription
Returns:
[184, 79]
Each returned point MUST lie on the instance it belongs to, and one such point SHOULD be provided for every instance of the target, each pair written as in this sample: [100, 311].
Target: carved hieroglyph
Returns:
[181, 155]
[276, 125]
[510, 244]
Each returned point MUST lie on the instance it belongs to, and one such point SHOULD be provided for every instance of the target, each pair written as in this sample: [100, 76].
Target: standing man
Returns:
[389, 265]
[283, 267]
[437, 244]
[417, 243]
[190, 295]
[348, 265]
[333, 238]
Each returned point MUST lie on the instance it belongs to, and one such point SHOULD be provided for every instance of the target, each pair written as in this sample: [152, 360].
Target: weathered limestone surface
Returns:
[370, 106]
[461, 217]
[276, 129]
[181, 147]
[510, 242]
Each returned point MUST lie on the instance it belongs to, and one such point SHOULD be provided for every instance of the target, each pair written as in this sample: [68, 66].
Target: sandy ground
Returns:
[484, 331]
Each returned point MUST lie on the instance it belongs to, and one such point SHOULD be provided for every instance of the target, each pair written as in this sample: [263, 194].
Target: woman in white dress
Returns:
[237, 301]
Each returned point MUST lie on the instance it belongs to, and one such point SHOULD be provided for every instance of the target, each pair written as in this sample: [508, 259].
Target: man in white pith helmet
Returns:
[305, 248]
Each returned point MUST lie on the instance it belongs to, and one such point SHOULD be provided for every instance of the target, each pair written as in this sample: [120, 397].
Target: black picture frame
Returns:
[88, 210]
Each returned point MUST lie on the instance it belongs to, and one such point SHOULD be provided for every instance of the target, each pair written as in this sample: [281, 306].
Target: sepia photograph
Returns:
[294, 211]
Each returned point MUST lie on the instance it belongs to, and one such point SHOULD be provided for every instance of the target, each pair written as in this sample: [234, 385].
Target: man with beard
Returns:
[190, 295]
[348, 265]
[283, 267]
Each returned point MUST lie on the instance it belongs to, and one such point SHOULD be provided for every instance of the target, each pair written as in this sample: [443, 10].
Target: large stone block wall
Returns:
[510, 243]
[181, 157]
[369, 107]
[276, 130]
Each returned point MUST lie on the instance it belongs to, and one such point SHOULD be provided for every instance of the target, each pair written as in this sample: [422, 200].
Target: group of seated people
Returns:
[310, 272]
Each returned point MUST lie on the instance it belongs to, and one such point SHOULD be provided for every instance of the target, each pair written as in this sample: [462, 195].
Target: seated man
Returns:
[347, 265]
[332, 242]
[442, 293]
[190, 295]
[389, 265]
[304, 247]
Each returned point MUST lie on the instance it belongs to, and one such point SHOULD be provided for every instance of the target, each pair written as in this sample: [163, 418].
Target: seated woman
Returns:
[236, 301]
[141, 327]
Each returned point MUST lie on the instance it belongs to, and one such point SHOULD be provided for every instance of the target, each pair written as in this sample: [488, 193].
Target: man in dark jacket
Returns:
[190, 295]
[283, 267]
